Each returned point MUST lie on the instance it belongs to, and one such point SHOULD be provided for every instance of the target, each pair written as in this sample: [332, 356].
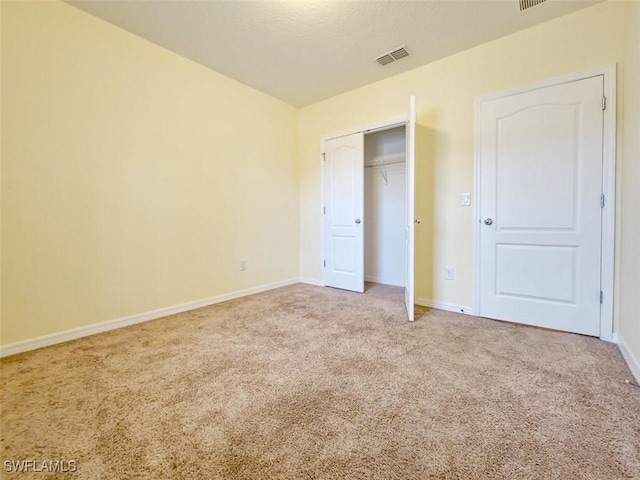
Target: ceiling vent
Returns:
[396, 54]
[524, 4]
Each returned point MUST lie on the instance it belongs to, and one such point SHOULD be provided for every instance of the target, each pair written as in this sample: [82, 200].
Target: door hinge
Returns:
[602, 201]
[324, 263]
[324, 210]
[601, 297]
[604, 102]
[324, 157]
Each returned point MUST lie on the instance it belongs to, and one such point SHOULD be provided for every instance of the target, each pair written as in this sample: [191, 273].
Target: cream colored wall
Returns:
[445, 93]
[132, 179]
[0, 175]
[629, 276]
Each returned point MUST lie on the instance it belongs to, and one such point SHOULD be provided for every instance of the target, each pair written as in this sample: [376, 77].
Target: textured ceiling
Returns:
[303, 51]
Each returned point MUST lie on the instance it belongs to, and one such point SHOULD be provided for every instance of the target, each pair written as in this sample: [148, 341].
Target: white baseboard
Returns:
[311, 281]
[383, 281]
[450, 307]
[632, 362]
[54, 338]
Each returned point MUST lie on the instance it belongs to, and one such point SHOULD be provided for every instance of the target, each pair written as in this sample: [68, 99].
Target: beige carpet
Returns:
[307, 382]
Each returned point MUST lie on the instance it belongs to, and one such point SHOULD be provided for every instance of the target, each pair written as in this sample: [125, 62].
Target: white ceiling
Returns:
[303, 51]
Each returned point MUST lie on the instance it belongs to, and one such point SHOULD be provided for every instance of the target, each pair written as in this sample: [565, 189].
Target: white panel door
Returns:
[344, 198]
[540, 192]
[409, 291]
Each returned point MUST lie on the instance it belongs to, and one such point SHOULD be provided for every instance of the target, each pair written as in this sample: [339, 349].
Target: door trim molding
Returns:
[608, 185]
[370, 128]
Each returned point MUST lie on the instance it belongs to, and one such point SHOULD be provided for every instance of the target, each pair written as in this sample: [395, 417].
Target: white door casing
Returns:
[344, 204]
[540, 180]
[409, 291]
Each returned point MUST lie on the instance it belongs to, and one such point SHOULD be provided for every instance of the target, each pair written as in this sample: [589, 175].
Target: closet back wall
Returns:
[385, 207]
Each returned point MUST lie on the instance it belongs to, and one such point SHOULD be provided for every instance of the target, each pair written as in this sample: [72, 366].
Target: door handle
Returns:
[488, 221]
[358, 221]
[418, 221]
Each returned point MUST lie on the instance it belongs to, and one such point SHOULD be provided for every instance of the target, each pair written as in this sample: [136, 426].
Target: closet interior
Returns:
[385, 197]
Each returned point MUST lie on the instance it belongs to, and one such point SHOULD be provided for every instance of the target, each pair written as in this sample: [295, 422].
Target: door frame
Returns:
[373, 127]
[607, 247]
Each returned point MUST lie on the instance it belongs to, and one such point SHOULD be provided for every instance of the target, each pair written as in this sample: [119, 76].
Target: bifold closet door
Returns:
[409, 291]
[344, 212]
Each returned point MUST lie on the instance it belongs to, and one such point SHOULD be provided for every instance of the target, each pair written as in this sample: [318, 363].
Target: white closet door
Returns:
[409, 291]
[344, 197]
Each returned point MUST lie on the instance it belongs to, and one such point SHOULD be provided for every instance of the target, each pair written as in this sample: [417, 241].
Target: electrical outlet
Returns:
[243, 265]
[466, 199]
[448, 273]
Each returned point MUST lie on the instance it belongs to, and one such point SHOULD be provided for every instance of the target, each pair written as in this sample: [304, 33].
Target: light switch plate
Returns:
[466, 199]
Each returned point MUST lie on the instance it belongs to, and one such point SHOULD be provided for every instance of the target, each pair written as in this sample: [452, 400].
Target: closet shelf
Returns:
[383, 161]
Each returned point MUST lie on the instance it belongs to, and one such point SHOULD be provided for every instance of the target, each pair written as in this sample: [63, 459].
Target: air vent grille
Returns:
[524, 4]
[385, 60]
[399, 53]
[393, 55]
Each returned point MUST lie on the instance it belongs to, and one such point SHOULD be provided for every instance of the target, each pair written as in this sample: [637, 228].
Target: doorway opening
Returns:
[385, 207]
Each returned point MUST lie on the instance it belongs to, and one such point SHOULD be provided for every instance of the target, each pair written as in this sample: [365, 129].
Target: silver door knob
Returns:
[488, 221]
[357, 220]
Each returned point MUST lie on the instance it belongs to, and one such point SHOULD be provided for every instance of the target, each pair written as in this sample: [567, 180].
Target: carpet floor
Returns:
[308, 382]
